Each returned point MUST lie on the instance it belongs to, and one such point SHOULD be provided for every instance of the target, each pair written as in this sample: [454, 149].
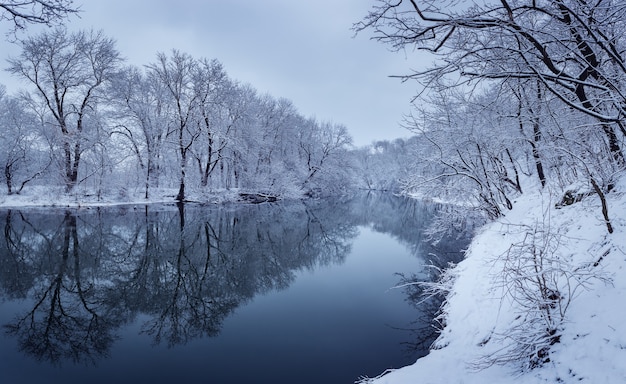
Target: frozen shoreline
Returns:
[486, 314]
[55, 197]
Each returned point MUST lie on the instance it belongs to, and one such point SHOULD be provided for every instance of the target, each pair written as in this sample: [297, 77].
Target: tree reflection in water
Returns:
[67, 321]
[88, 272]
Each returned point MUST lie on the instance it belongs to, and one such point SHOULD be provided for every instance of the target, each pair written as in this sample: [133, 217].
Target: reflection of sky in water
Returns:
[333, 323]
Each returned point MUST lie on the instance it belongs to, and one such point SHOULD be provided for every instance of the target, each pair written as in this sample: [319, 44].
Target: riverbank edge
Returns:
[56, 197]
[480, 316]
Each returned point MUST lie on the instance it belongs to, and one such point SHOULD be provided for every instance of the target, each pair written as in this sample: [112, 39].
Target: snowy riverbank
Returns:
[40, 196]
[534, 269]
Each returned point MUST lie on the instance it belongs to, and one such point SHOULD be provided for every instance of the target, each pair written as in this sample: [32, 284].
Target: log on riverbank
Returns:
[257, 198]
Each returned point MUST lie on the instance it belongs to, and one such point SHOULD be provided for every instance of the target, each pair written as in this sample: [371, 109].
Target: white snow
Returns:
[46, 196]
[485, 317]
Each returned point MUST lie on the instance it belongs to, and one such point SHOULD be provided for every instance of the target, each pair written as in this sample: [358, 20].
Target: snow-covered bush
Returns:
[538, 280]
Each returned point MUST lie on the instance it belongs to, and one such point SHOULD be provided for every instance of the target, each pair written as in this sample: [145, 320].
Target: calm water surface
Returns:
[293, 292]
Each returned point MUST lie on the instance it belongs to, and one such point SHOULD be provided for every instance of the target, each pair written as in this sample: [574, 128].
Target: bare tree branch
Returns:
[21, 13]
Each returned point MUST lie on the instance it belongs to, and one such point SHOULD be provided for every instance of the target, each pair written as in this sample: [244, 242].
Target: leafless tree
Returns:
[24, 12]
[141, 115]
[176, 73]
[213, 88]
[67, 71]
[573, 48]
[323, 149]
[25, 157]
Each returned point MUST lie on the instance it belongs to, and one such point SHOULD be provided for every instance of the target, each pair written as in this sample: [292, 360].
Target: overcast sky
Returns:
[304, 51]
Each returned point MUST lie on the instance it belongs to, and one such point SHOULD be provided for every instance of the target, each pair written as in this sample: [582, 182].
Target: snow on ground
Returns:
[490, 313]
[44, 196]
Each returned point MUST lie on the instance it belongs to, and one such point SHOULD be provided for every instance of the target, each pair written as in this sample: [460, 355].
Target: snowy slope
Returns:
[490, 308]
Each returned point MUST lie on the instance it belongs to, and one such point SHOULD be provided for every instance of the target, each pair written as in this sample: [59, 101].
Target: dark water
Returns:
[294, 292]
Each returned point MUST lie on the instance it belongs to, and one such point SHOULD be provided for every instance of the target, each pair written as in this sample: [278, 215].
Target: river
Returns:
[287, 292]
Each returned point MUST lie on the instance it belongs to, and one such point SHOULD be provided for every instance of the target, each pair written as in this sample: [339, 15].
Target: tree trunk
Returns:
[614, 146]
[9, 179]
[535, 150]
[181, 189]
[605, 209]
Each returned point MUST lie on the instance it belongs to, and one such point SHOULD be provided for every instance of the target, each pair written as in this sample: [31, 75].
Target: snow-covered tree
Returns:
[516, 87]
[141, 114]
[179, 123]
[573, 48]
[68, 72]
[214, 90]
[176, 73]
[382, 164]
[324, 153]
[26, 155]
